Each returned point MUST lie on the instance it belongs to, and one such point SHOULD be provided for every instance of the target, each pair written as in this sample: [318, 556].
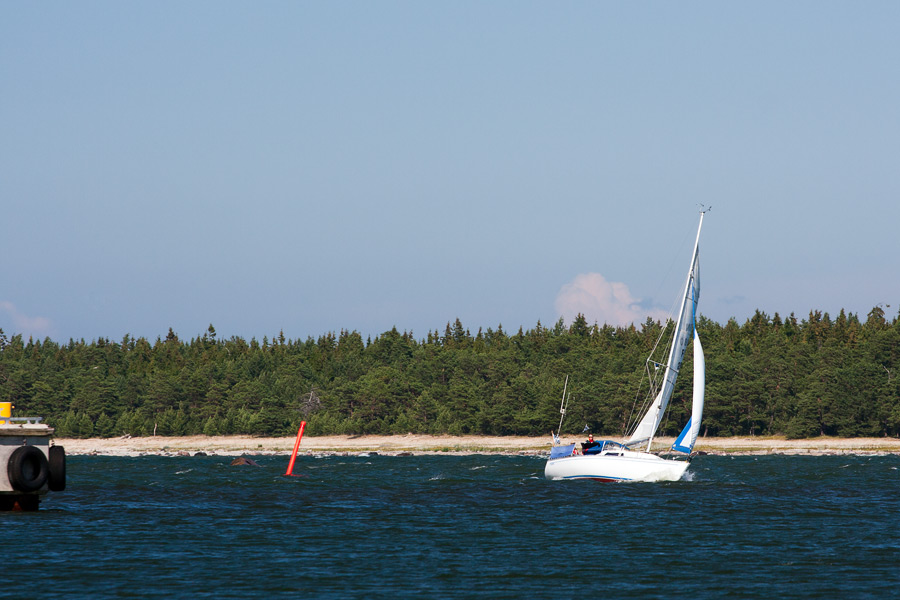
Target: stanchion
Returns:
[290, 469]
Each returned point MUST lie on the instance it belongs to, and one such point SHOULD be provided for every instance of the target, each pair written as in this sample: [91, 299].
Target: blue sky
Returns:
[311, 167]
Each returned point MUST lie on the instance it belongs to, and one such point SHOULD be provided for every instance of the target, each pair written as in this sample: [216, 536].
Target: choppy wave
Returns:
[457, 527]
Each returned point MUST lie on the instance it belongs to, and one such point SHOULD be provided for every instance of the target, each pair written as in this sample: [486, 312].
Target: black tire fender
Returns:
[57, 479]
[27, 469]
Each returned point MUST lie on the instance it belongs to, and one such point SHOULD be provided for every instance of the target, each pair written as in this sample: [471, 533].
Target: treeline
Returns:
[771, 375]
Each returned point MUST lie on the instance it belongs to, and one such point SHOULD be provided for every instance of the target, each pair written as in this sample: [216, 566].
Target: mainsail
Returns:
[684, 326]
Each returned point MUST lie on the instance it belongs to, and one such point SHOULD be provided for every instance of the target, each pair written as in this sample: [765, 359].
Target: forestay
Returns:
[684, 326]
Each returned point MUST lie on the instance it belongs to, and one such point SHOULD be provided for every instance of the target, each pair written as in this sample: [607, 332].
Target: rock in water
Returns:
[244, 461]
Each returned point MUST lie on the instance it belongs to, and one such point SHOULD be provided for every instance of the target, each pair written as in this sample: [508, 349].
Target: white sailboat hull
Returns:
[628, 466]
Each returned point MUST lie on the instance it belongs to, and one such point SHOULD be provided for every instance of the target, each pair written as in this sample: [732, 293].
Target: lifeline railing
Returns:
[21, 420]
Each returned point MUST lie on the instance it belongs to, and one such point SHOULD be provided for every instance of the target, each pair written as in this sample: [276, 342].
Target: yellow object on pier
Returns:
[5, 410]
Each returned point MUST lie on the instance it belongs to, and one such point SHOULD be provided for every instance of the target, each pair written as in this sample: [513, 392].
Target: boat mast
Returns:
[563, 405]
[671, 370]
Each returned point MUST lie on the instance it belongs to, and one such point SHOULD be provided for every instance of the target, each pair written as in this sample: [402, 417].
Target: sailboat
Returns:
[632, 459]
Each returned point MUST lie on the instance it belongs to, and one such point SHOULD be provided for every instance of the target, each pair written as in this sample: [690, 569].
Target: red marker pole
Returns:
[290, 469]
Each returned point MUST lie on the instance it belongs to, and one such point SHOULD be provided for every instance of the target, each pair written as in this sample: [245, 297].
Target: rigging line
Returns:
[633, 416]
[670, 272]
[655, 379]
[631, 422]
[668, 410]
[652, 389]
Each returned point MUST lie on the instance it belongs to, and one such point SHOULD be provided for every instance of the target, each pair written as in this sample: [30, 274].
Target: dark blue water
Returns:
[457, 527]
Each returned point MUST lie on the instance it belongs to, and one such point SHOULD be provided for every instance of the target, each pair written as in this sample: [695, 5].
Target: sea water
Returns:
[479, 526]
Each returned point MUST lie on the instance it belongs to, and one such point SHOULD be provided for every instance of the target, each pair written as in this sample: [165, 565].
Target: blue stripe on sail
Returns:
[679, 444]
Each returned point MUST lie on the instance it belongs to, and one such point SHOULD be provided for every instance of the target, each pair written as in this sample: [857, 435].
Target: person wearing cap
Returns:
[590, 446]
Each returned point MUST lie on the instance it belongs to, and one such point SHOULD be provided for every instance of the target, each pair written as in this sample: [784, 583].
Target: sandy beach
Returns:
[436, 444]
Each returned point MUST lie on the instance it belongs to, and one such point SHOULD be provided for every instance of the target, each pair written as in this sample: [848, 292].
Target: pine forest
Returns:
[769, 376]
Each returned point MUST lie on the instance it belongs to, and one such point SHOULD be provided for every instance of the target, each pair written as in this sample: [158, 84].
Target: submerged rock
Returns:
[242, 461]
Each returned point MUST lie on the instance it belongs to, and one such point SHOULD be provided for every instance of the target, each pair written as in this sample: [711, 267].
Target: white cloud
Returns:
[36, 327]
[602, 301]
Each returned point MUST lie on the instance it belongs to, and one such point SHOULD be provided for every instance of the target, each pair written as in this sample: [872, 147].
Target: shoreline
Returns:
[412, 444]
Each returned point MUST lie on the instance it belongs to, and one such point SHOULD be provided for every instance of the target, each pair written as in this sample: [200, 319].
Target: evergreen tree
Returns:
[769, 376]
